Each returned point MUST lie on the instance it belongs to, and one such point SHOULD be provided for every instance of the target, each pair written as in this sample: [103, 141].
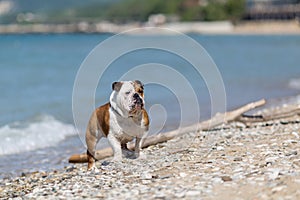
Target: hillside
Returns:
[45, 11]
[119, 11]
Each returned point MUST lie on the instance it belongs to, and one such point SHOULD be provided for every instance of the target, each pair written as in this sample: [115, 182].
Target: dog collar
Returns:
[115, 111]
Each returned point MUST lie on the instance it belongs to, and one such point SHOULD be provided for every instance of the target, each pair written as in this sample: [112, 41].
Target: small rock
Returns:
[292, 153]
[278, 188]
[100, 195]
[70, 169]
[146, 176]
[215, 169]
[165, 176]
[216, 180]
[274, 173]
[146, 182]
[220, 148]
[193, 193]
[238, 159]
[226, 178]
[180, 194]
[271, 160]
[160, 196]
[192, 149]
[295, 134]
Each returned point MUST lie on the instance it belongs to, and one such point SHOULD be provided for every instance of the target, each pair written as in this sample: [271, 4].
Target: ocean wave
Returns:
[41, 132]
[294, 83]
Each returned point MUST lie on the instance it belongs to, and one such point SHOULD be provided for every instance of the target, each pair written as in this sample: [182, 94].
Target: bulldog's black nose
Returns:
[136, 96]
[138, 99]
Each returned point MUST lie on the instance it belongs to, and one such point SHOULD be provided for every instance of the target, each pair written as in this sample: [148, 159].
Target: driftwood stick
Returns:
[279, 114]
[218, 119]
[230, 116]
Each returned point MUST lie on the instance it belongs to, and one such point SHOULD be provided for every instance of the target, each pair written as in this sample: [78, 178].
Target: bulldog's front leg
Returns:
[92, 139]
[137, 148]
[116, 146]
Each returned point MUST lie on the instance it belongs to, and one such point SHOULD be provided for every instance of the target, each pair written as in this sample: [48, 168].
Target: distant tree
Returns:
[139, 10]
[235, 9]
[224, 10]
[214, 11]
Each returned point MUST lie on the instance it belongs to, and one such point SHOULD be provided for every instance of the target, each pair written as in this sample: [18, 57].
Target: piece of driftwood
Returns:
[218, 119]
[278, 113]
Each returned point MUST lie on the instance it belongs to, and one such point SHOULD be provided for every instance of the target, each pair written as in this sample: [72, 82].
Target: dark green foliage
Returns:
[235, 9]
[230, 10]
[123, 11]
[214, 11]
[139, 10]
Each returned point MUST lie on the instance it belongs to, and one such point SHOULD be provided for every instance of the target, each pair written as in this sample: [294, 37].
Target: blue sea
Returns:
[38, 71]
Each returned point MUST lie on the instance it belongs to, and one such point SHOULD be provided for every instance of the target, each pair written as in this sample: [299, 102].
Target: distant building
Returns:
[157, 19]
[5, 7]
[272, 9]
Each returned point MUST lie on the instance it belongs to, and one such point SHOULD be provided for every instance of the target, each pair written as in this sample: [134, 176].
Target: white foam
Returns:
[42, 132]
[294, 83]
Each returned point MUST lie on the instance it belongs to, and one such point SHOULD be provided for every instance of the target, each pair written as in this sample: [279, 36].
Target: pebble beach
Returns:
[232, 161]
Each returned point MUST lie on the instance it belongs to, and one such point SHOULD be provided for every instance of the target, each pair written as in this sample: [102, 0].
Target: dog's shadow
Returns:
[129, 154]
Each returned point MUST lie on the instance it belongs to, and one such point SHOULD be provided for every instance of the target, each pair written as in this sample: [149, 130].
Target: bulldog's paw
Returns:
[138, 156]
[141, 156]
[93, 169]
[117, 159]
[127, 153]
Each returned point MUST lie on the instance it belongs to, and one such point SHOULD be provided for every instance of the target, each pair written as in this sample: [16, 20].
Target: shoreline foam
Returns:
[41, 132]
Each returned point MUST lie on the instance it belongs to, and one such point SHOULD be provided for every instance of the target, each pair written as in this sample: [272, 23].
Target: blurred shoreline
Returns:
[218, 27]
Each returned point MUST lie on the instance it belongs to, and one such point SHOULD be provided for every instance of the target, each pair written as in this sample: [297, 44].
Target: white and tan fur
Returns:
[121, 120]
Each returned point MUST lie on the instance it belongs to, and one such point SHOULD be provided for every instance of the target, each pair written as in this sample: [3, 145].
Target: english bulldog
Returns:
[121, 120]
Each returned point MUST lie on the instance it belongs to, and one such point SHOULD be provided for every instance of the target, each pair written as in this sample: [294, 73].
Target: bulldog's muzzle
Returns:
[138, 101]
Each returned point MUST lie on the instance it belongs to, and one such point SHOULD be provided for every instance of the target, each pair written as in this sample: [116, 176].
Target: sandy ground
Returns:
[232, 161]
[217, 27]
[267, 27]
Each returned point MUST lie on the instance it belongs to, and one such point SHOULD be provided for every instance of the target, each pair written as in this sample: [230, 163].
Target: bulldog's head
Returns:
[127, 98]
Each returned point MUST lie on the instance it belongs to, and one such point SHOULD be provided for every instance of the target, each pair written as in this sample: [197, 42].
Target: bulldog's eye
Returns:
[127, 93]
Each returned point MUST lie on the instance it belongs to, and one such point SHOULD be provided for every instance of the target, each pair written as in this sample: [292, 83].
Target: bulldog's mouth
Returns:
[137, 106]
[137, 102]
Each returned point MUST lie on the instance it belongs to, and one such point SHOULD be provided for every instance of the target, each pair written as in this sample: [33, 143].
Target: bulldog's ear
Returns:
[140, 84]
[117, 86]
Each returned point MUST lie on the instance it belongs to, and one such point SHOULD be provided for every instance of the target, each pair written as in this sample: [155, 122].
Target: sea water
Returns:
[37, 74]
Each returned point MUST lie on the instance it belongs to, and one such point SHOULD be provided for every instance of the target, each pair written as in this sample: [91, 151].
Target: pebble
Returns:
[272, 159]
[220, 148]
[193, 193]
[180, 195]
[226, 178]
[278, 188]
[238, 159]
[274, 173]
[146, 176]
[182, 174]
[296, 135]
